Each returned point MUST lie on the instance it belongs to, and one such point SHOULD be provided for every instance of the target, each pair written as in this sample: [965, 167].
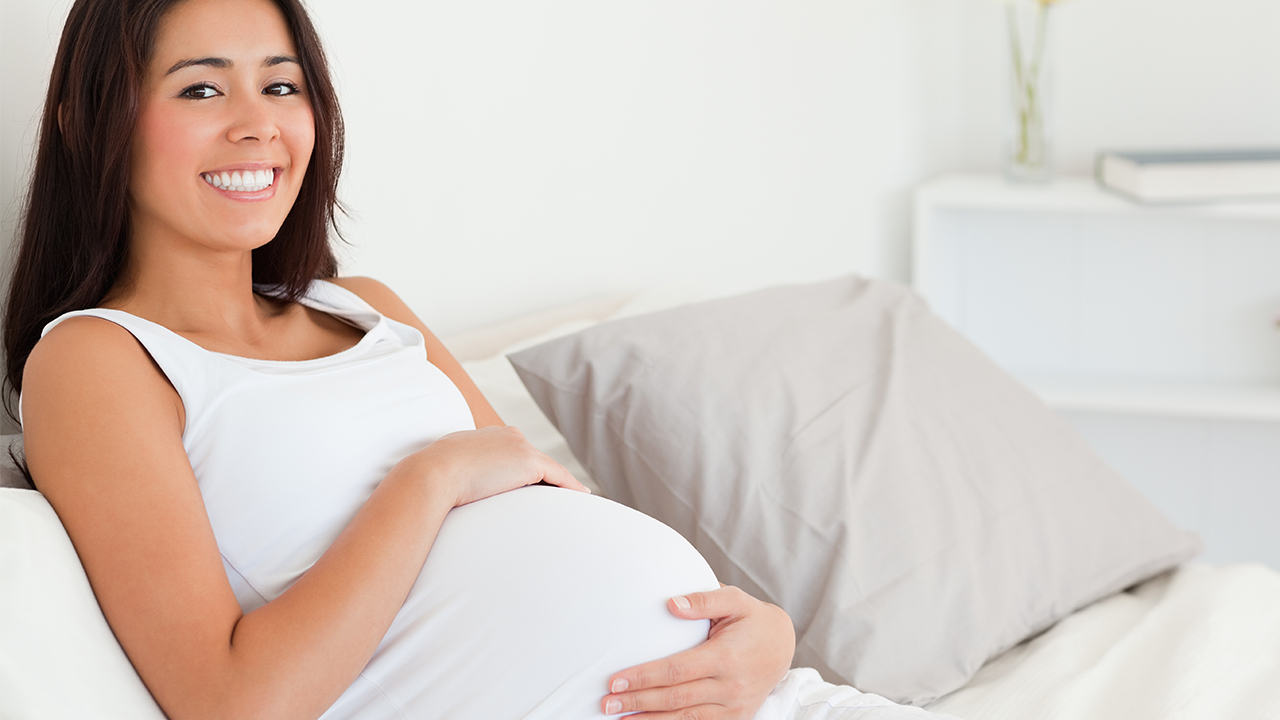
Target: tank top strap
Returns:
[340, 302]
[334, 299]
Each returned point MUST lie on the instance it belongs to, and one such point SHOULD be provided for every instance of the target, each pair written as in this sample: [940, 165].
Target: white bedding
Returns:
[1202, 642]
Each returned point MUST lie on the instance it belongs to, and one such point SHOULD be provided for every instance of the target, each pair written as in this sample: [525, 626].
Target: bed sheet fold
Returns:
[1199, 642]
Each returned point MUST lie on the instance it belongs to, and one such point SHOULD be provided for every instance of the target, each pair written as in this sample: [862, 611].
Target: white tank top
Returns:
[528, 600]
[282, 450]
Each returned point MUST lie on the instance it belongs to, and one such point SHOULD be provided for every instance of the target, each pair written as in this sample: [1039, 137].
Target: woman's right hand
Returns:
[472, 465]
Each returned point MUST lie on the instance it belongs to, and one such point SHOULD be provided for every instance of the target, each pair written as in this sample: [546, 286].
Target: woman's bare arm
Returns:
[388, 303]
[103, 434]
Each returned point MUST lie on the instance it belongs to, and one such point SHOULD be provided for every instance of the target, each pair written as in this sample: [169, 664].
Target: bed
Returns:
[1074, 599]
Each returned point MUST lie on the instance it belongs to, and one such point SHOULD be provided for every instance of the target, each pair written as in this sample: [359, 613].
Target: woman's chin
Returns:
[243, 237]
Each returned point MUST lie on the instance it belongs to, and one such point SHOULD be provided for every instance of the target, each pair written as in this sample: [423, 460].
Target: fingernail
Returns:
[619, 685]
[682, 602]
[613, 707]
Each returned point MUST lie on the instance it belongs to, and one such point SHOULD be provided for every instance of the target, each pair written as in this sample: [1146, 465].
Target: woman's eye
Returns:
[200, 92]
[281, 89]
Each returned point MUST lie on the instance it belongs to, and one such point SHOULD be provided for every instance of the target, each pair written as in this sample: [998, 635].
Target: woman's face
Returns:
[224, 128]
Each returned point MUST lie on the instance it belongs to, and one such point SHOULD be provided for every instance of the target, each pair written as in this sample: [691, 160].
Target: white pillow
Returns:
[58, 656]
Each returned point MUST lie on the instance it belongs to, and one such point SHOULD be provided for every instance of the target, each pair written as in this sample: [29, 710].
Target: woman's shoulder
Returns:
[86, 352]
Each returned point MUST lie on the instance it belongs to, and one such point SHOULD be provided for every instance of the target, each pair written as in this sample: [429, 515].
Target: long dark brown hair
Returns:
[75, 224]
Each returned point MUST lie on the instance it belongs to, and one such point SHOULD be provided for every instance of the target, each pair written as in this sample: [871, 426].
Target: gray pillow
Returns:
[10, 475]
[838, 450]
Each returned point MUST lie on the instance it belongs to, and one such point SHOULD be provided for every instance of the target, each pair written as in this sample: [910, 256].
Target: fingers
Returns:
[749, 649]
[685, 667]
[557, 475]
[470, 465]
[700, 712]
[551, 471]
[728, 601]
[677, 697]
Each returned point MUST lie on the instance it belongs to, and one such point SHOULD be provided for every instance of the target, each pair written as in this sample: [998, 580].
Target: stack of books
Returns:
[1192, 176]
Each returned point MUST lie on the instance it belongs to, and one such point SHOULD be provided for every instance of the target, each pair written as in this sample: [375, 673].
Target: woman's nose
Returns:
[252, 119]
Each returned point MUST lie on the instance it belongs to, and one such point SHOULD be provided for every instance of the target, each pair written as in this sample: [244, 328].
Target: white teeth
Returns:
[242, 181]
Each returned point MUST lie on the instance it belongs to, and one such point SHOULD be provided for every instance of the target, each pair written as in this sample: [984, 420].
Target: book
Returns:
[1192, 176]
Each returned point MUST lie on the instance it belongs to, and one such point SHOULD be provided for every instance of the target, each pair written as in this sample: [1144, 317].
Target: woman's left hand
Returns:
[728, 677]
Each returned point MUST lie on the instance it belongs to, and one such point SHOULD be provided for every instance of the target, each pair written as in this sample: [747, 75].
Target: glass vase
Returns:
[1027, 136]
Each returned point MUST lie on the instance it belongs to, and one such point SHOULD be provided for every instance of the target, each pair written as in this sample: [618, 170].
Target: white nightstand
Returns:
[1153, 330]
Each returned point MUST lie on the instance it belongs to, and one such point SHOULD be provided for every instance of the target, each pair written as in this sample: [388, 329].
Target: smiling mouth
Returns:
[241, 180]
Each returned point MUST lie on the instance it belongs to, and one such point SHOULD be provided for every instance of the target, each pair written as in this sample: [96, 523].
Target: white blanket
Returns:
[1202, 642]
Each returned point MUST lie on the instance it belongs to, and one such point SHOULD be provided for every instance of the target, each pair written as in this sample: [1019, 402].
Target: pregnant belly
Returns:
[528, 602]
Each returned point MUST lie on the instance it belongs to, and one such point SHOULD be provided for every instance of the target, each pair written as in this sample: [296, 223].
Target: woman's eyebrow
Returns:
[224, 63]
[215, 62]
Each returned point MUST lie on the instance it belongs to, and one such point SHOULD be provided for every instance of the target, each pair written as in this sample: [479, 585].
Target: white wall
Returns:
[546, 152]
[506, 155]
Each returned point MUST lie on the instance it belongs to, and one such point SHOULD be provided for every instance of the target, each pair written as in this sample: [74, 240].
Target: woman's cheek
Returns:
[163, 152]
[299, 134]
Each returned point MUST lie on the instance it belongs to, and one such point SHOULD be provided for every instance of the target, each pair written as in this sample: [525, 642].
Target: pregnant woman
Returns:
[289, 498]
